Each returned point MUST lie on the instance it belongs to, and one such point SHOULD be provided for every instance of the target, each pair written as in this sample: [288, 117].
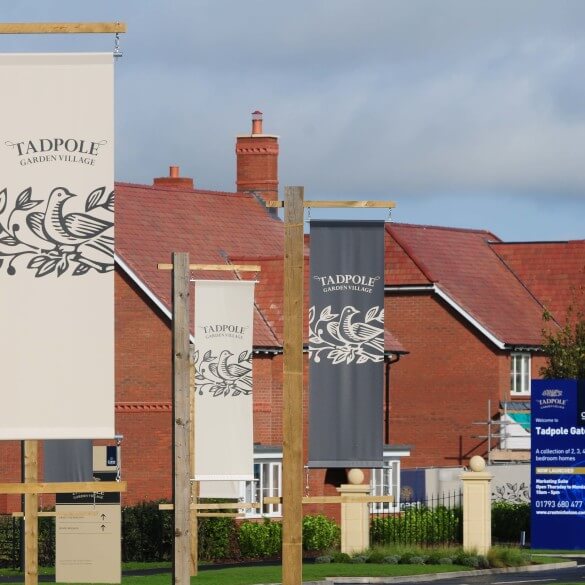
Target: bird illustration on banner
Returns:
[344, 338]
[56, 239]
[222, 376]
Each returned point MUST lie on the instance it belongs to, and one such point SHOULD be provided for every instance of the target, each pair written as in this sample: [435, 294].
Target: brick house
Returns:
[469, 308]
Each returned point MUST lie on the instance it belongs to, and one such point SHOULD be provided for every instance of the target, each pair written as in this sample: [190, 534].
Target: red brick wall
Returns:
[443, 385]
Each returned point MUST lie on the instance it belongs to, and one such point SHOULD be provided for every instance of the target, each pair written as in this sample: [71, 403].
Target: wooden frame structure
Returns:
[292, 400]
[185, 491]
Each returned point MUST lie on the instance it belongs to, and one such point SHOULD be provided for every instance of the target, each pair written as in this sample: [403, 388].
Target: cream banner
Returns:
[57, 246]
[223, 381]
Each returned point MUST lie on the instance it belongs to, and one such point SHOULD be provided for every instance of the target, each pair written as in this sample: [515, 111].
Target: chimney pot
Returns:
[174, 180]
[257, 122]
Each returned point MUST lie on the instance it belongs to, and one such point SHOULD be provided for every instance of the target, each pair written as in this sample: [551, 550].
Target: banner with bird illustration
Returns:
[224, 441]
[57, 246]
[346, 344]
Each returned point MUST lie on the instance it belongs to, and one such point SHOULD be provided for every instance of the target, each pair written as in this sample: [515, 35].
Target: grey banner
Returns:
[346, 344]
[68, 460]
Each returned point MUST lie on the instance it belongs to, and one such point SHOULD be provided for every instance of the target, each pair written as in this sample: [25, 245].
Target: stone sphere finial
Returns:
[355, 476]
[477, 463]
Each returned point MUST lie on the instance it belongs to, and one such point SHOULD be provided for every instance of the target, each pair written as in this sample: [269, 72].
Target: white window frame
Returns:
[386, 482]
[265, 466]
[520, 364]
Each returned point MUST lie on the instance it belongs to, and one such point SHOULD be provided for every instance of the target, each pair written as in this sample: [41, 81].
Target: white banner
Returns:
[223, 385]
[57, 246]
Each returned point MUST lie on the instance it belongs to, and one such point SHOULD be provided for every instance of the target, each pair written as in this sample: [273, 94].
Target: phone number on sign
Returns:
[558, 505]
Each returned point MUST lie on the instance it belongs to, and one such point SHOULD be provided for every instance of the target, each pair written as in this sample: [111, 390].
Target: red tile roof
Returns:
[153, 222]
[553, 271]
[462, 263]
[496, 284]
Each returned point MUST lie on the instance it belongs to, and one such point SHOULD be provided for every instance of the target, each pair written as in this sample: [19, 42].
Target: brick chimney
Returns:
[174, 180]
[257, 161]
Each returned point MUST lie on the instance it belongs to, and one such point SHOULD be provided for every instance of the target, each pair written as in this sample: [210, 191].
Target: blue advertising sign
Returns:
[558, 464]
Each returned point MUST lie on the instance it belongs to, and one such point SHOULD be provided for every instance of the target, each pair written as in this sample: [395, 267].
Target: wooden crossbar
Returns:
[216, 267]
[32, 28]
[215, 506]
[337, 500]
[354, 204]
[53, 514]
[66, 487]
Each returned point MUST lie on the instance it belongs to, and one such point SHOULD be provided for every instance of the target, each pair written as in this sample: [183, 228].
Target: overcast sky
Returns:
[466, 113]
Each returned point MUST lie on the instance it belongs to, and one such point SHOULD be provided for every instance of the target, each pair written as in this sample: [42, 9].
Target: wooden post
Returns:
[193, 557]
[31, 515]
[181, 412]
[292, 400]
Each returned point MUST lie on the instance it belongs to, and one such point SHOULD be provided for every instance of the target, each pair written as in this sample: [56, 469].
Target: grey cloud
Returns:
[423, 98]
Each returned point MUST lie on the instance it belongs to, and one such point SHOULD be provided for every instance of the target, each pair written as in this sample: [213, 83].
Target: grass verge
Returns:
[311, 572]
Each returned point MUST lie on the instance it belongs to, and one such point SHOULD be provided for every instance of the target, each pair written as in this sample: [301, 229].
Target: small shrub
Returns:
[341, 557]
[376, 557]
[319, 533]
[358, 560]
[499, 556]
[260, 539]
[406, 556]
[391, 559]
[445, 561]
[470, 561]
[323, 559]
[414, 560]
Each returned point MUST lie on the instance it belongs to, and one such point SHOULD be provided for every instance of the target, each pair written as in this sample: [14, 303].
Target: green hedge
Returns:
[147, 535]
[418, 525]
[509, 520]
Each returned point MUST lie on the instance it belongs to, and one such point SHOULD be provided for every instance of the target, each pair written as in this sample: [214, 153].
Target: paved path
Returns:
[535, 574]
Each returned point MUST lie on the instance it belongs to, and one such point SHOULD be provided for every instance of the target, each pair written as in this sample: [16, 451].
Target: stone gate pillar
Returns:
[477, 507]
[355, 516]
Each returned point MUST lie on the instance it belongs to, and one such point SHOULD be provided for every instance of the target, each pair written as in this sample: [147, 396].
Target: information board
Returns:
[88, 529]
[558, 464]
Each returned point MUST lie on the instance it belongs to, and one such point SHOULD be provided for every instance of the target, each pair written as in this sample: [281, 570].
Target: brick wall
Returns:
[443, 385]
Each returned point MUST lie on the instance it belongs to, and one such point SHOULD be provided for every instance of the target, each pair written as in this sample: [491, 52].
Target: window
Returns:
[520, 373]
[267, 483]
[386, 482]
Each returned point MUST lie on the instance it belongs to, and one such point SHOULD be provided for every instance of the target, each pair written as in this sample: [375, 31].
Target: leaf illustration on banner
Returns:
[24, 201]
[110, 202]
[375, 314]
[59, 240]
[222, 375]
[9, 241]
[95, 199]
[344, 338]
[81, 269]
